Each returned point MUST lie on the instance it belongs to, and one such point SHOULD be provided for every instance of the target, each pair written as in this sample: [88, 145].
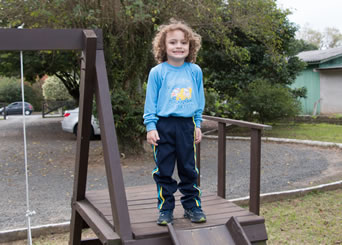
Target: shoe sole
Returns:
[202, 220]
[164, 223]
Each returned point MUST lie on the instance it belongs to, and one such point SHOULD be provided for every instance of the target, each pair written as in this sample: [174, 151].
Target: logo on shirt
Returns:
[181, 93]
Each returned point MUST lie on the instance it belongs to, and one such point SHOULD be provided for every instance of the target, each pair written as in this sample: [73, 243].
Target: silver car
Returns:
[70, 122]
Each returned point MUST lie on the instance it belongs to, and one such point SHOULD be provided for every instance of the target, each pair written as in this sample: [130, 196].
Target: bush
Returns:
[10, 91]
[54, 89]
[264, 101]
[221, 106]
[128, 119]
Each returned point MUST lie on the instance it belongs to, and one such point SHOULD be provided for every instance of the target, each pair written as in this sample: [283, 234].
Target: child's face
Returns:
[177, 47]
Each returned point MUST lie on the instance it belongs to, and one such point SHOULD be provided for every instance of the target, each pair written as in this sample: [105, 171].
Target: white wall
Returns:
[331, 91]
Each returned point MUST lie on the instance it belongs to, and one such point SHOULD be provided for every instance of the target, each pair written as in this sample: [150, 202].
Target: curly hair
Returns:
[159, 45]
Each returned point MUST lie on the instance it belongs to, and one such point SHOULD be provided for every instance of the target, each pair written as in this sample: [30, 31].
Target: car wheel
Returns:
[75, 130]
[27, 113]
[92, 135]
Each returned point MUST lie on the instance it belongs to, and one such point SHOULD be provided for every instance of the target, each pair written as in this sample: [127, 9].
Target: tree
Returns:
[333, 37]
[268, 102]
[257, 46]
[300, 45]
[10, 91]
[127, 39]
[62, 64]
[35, 14]
[53, 89]
[330, 38]
[243, 40]
[311, 36]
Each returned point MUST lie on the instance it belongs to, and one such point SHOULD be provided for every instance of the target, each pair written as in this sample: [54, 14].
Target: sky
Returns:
[317, 14]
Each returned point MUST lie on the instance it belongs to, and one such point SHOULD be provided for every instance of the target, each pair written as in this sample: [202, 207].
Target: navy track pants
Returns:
[176, 144]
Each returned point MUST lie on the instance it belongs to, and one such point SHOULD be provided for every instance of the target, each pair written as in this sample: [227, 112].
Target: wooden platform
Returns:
[142, 206]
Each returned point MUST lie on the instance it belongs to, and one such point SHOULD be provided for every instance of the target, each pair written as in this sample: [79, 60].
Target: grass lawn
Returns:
[313, 219]
[319, 132]
[304, 131]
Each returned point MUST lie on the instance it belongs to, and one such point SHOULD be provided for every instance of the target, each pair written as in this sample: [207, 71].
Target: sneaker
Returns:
[165, 217]
[195, 214]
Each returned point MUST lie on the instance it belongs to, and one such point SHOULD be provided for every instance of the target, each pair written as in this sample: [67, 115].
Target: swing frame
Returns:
[93, 79]
[115, 227]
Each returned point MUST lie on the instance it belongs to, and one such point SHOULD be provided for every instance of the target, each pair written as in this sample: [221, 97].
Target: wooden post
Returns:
[254, 189]
[111, 154]
[43, 110]
[221, 164]
[198, 163]
[83, 131]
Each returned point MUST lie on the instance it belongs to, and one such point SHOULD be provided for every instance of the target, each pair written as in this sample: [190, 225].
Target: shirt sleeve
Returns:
[201, 97]
[150, 109]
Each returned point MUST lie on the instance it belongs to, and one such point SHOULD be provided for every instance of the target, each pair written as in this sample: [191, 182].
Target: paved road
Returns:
[51, 156]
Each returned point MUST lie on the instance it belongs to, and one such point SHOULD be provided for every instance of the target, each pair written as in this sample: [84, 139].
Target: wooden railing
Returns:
[255, 158]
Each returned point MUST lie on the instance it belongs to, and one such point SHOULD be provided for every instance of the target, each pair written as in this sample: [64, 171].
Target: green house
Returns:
[323, 80]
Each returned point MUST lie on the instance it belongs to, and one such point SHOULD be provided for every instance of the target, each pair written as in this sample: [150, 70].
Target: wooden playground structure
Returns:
[122, 215]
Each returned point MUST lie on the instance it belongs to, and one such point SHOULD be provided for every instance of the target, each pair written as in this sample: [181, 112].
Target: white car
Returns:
[70, 122]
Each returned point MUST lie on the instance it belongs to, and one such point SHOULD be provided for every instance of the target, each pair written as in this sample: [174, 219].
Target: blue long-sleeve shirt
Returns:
[174, 91]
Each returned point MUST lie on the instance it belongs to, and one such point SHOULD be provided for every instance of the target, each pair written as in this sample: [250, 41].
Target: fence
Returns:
[56, 108]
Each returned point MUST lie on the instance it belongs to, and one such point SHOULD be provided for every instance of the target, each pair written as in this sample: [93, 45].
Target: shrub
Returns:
[128, 119]
[10, 91]
[54, 89]
[221, 106]
[264, 101]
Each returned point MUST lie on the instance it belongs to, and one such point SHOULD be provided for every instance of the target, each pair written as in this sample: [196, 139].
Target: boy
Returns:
[173, 114]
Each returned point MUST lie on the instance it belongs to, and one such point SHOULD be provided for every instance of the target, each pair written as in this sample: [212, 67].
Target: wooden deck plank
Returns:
[129, 190]
[212, 201]
[102, 196]
[221, 211]
[152, 215]
[150, 229]
[217, 219]
[210, 206]
[142, 206]
[243, 218]
[141, 199]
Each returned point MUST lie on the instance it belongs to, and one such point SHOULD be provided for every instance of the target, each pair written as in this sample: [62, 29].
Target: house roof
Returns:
[334, 68]
[320, 56]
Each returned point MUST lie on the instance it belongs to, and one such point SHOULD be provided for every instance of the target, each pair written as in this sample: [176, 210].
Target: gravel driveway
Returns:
[51, 157]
